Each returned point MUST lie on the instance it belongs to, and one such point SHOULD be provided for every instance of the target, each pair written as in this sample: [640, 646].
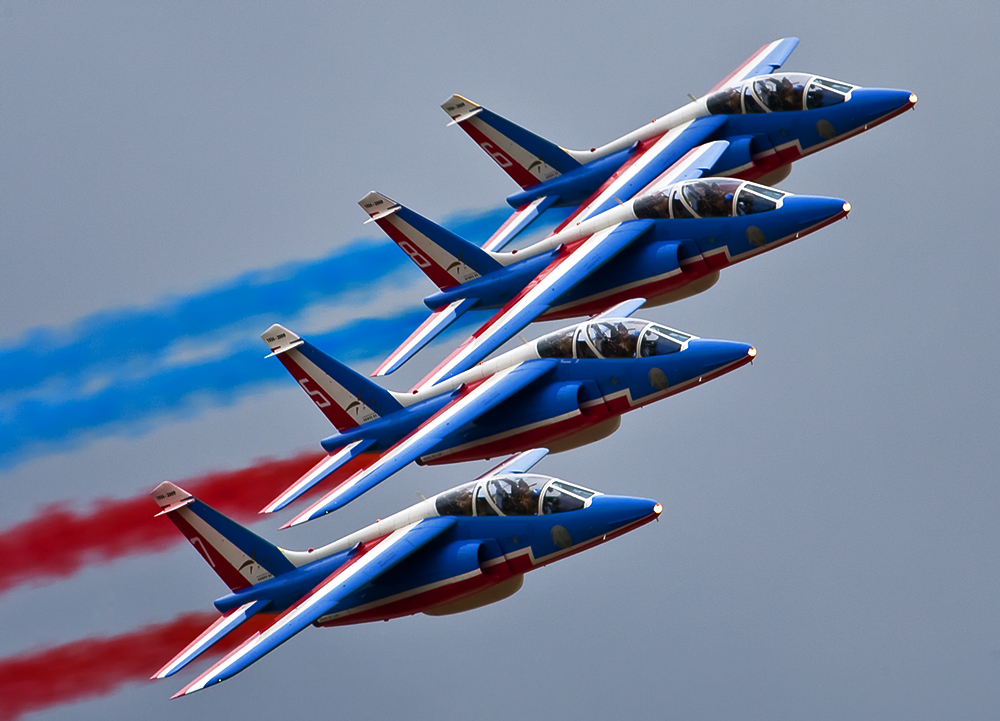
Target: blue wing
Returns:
[429, 330]
[518, 221]
[373, 560]
[227, 622]
[647, 165]
[317, 473]
[567, 270]
[466, 408]
[518, 463]
[558, 277]
[769, 58]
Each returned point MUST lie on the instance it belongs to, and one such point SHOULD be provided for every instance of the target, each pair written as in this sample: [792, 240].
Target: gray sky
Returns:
[830, 543]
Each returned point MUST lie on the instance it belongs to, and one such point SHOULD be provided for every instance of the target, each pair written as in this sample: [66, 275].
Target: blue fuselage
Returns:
[474, 555]
[572, 397]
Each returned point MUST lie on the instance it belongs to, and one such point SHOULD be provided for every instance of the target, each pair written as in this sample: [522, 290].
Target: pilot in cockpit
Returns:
[660, 205]
[624, 341]
[715, 200]
[523, 499]
[790, 95]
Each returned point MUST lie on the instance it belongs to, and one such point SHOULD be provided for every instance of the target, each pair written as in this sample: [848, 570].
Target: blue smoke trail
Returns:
[102, 343]
[109, 374]
[135, 405]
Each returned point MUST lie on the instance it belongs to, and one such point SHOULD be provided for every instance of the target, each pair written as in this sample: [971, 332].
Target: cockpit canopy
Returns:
[612, 338]
[778, 93]
[708, 198]
[522, 494]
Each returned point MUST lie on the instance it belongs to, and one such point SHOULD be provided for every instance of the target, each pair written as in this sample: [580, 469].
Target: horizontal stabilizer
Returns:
[226, 623]
[435, 324]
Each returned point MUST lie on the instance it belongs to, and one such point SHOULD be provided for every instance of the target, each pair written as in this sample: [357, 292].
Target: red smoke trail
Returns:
[99, 665]
[61, 539]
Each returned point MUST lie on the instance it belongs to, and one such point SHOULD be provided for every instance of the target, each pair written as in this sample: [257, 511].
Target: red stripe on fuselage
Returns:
[597, 411]
[521, 562]
[534, 436]
[650, 290]
[444, 592]
[770, 160]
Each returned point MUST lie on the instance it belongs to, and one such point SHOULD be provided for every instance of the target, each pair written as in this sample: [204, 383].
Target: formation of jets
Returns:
[653, 217]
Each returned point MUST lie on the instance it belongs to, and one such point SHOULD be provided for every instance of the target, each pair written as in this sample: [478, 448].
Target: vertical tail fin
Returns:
[527, 158]
[445, 258]
[347, 398]
[240, 557]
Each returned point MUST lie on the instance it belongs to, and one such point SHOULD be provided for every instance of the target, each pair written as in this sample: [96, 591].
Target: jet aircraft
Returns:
[667, 243]
[769, 119]
[459, 550]
[561, 391]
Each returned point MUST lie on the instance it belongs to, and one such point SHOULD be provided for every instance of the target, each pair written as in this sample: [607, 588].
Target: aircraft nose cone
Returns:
[616, 512]
[882, 103]
[811, 210]
[716, 354]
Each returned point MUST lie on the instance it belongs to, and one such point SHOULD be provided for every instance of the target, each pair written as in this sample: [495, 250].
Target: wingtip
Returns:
[273, 507]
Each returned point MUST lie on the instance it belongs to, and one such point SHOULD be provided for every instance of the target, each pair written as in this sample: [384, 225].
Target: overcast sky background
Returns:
[831, 536]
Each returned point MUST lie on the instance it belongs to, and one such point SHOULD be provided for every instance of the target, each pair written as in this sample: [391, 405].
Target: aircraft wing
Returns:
[468, 405]
[695, 163]
[222, 626]
[518, 221]
[428, 331]
[621, 310]
[317, 473]
[648, 163]
[567, 269]
[518, 463]
[766, 60]
[372, 559]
